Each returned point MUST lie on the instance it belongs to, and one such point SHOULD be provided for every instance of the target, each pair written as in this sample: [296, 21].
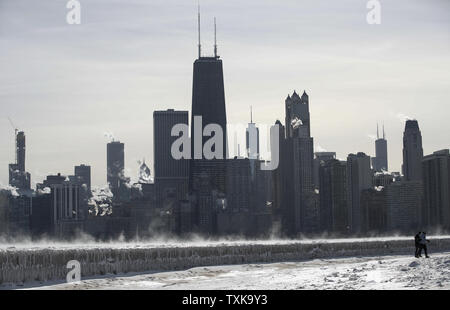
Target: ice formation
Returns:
[22, 265]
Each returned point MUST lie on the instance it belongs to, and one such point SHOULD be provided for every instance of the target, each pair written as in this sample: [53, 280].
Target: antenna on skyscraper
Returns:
[384, 134]
[199, 38]
[251, 115]
[16, 130]
[13, 126]
[215, 38]
[378, 132]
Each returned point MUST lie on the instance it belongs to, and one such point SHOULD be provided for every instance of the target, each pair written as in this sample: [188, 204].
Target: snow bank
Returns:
[22, 265]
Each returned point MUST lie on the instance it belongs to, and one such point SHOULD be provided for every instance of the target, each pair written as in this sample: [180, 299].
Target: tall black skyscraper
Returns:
[380, 162]
[208, 101]
[359, 178]
[18, 177]
[20, 149]
[412, 151]
[207, 177]
[115, 165]
[297, 116]
[171, 175]
[300, 210]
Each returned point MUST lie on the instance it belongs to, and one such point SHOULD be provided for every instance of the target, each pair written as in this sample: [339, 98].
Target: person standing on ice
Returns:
[423, 244]
[417, 244]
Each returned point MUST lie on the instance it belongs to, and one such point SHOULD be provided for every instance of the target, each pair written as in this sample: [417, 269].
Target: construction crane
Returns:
[16, 130]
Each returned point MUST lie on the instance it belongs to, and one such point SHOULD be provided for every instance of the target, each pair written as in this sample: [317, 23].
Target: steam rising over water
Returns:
[87, 242]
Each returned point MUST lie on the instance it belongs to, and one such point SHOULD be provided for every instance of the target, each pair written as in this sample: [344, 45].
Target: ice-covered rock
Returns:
[21, 264]
[414, 264]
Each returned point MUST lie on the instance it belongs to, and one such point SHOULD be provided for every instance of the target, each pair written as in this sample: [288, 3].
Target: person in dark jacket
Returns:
[417, 244]
[423, 244]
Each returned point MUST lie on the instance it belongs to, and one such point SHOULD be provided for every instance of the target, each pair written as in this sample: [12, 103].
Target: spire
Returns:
[215, 38]
[378, 132]
[251, 115]
[384, 134]
[199, 38]
[305, 98]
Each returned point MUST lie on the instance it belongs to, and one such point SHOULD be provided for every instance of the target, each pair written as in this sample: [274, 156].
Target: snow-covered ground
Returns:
[386, 272]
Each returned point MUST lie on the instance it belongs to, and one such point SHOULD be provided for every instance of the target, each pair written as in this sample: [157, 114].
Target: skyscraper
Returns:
[208, 101]
[20, 149]
[359, 178]
[238, 185]
[403, 205]
[436, 181]
[320, 159]
[278, 177]
[334, 210]
[380, 162]
[300, 212]
[66, 206]
[373, 201]
[412, 151]
[207, 177]
[83, 174]
[297, 116]
[65, 212]
[252, 139]
[171, 175]
[256, 176]
[18, 177]
[115, 158]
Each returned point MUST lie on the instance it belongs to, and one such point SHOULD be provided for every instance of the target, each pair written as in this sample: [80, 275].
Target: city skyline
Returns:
[60, 136]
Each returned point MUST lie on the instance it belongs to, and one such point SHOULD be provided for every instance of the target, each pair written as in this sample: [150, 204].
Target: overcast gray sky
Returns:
[66, 85]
